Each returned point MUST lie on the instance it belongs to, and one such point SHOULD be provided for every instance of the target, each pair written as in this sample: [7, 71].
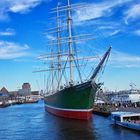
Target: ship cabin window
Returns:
[131, 119]
[126, 119]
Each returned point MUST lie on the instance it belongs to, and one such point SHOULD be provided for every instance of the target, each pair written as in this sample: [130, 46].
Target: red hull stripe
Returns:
[70, 113]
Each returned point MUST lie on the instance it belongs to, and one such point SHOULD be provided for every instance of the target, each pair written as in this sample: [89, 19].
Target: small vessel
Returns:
[126, 119]
[68, 94]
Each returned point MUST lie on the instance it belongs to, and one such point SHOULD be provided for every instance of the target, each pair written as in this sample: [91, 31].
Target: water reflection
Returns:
[69, 129]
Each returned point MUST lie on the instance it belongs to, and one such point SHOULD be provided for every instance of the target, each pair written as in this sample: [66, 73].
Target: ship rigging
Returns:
[68, 93]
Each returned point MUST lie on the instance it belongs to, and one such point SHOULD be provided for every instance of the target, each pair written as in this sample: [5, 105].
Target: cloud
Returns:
[3, 11]
[137, 32]
[3, 15]
[102, 15]
[50, 37]
[122, 60]
[8, 32]
[113, 32]
[132, 13]
[91, 11]
[11, 50]
[17, 6]
[23, 6]
[97, 10]
[109, 30]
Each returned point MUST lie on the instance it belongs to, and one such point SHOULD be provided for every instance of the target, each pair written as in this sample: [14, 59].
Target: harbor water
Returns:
[31, 122]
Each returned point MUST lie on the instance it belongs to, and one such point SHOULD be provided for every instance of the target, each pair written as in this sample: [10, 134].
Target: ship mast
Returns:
[52, 67]
[58, 64]
[69, 20]
[58, 45]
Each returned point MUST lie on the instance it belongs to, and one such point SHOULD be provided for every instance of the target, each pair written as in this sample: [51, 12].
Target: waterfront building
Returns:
[26, 86]
[26, 89]
[4, 90]
[4, 94]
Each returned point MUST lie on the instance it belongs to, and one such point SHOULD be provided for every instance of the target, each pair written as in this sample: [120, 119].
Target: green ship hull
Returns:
[73, 101]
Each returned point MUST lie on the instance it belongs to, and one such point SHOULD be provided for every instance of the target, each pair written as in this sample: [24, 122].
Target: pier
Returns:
[106, 109]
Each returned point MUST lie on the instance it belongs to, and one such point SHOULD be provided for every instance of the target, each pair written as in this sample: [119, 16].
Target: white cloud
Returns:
[91, 11]
[7, 32]
[23, 6]
[111, 30]
[132, 13]
[3, 15]
[50, 37]
[115, 32]
[3, 10]
[11, 50]
[106, 27]
[97, 10]
[97, 15]
[17, 6]
[137, 32]
[122, 60]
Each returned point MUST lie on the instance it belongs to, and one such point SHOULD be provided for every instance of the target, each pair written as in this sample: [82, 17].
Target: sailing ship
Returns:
[67, 95]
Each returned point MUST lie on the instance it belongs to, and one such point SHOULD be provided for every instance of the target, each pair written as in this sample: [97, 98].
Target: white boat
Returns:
[126, 119]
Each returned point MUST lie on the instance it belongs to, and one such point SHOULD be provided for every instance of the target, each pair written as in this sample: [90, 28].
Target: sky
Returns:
[23, 38]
